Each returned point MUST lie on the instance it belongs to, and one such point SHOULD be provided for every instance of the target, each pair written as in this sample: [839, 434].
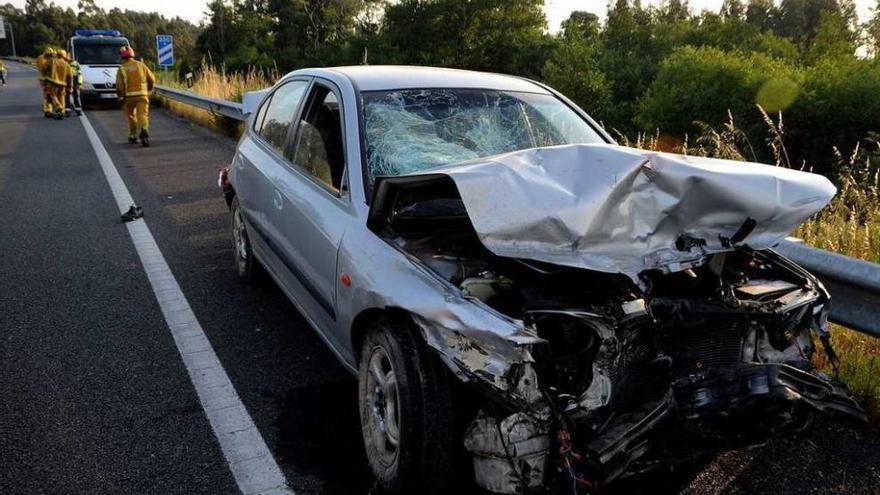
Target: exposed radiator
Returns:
[711, 345]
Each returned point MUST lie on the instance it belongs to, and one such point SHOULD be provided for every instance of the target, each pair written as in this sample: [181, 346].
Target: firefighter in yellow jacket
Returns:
[58, 80]
[134, 81]
[44, 65]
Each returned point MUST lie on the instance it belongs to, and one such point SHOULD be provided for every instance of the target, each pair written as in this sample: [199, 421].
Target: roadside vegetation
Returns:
[851, 225]
[216, 83]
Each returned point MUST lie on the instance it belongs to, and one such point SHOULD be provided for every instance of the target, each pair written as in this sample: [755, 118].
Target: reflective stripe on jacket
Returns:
[134, 79]
[59, 72]
[77, 72]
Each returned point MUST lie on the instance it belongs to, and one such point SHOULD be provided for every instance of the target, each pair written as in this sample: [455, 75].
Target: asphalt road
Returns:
[94, 397]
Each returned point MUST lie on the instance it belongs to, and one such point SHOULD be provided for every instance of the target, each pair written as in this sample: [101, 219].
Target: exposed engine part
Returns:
[565, 361]
[510, 455]
[762, 289]
[485, 286]
[634, 308]
[626, 436]
[598, 394]
[631, 375]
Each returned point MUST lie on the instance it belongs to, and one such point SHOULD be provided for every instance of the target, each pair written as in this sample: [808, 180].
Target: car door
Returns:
[260, 157]
[313, 209]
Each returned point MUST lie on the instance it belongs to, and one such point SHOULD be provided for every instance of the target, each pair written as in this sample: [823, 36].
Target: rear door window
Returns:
[280, 112]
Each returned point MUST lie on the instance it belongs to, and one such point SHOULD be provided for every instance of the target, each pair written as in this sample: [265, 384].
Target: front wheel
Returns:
[406, 411]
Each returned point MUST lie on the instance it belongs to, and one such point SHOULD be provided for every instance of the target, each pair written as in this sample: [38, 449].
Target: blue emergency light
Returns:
[97, 32]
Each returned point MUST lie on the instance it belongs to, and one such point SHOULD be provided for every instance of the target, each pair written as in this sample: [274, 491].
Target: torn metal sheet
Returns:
[616, 209]
[498, 362]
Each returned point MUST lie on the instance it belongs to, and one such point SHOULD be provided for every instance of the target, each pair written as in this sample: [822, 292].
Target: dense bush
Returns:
[704, 84]
[573, 70]
[839, 106]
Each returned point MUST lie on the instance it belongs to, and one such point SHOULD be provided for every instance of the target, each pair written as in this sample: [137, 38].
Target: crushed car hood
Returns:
[616, 209]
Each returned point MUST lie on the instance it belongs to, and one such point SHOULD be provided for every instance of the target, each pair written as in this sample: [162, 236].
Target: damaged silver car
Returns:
[525, 303]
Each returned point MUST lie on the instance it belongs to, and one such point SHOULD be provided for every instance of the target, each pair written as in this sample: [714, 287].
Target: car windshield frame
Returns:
[598, 135]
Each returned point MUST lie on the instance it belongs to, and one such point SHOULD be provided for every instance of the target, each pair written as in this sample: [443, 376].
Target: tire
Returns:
[245, 262]
[423, 459]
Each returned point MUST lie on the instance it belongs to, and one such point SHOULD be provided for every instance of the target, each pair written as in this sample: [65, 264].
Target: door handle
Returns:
[278, 200]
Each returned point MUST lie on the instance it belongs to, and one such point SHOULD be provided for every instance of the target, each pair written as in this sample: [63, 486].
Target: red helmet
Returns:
[126, 52]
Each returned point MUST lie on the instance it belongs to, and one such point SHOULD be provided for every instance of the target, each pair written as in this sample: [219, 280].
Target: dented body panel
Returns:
[621, 210]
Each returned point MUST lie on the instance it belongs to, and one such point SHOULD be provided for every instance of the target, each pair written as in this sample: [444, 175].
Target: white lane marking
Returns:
[249, 459]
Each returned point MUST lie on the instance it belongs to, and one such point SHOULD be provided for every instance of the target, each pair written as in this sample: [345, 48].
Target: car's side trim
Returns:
[291, 266]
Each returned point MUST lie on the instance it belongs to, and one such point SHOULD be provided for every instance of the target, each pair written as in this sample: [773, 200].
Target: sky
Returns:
[557, 10]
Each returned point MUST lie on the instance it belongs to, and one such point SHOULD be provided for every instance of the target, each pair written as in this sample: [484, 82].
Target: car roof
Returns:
[387, 77]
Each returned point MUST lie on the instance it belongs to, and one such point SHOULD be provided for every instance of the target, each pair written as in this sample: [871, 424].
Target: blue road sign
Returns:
[165, 49]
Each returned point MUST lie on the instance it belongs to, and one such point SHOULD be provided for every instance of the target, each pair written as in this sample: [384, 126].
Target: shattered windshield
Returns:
[417, 129]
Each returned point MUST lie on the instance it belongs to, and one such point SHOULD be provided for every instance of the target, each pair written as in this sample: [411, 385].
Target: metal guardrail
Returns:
[21, 60]
[223, 107]
[854, 284]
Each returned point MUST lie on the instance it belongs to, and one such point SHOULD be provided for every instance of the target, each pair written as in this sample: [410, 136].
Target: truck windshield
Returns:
[417, 129]
[104, 52]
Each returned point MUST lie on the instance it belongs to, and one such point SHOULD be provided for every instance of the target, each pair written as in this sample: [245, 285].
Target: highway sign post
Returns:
[165, 50]
[11, 33]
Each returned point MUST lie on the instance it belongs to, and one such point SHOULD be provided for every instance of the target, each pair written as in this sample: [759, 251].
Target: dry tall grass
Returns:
[217, 83]
[849, 225]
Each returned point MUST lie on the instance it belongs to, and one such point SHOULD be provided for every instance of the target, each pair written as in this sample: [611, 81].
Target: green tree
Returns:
[287, 33]
[704, 84]
[90, 15]
[833, 38]
[573, 69]
[733, 9]
[580, 25]
[799, 19]
[762, 13]
[839, 107]
[495, 35]
[634, 42]
[674, 10]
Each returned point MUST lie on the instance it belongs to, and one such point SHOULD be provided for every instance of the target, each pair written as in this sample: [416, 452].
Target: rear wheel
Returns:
[406, 411]
[245, 263]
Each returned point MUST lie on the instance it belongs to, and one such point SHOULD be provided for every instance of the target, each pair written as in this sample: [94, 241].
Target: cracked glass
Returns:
[417, 129]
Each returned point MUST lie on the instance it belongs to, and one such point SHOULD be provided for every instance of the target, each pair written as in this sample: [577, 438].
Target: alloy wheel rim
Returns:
[383, 420]
[240, 239]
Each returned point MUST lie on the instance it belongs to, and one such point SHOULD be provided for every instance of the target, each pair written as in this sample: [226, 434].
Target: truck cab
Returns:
[97, 51]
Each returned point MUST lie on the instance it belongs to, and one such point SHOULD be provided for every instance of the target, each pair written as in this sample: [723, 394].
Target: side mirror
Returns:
[251, 99]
